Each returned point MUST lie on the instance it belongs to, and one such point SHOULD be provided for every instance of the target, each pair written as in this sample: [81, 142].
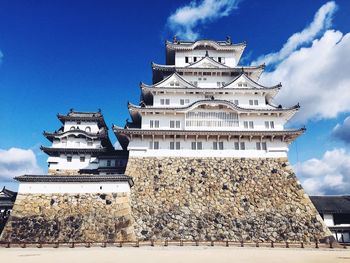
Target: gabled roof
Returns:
[7, 194]
[255, 71]
[77, 133]
[83, 116]
[175, 76]
[206, 62]
[246, 78]
[136, 116]
[332, 204]
[204, 44]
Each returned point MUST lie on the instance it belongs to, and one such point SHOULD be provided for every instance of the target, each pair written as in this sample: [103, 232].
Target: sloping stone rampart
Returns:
[96, 217]
[221, 198]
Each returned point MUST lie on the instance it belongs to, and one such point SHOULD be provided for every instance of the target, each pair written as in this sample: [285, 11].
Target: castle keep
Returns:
[207, 160]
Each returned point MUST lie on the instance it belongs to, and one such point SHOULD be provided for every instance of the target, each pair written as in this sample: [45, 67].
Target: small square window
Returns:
[172, 146]
[242, 144]
[69, 159]
[264, 146]
[177, 145]
[251, 102]
[256, 102]
[272, 124]
[215, 145]
[236, 145]
[258, 146]
[108, 162]
[82, 159]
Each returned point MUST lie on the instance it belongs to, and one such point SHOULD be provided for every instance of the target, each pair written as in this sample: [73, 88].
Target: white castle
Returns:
[203, 103]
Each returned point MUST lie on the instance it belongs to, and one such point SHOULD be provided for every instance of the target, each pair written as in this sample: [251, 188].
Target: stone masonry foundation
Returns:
[221, 199]
[85, 217]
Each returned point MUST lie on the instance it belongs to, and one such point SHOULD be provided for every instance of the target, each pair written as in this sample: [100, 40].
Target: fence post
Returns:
[166, 243]
[137, 243]
[87, 245]
[23, 245]
[39, 245]
[227, 244]
[152, 243]
[257, 244]
[287, 244]
[212, 243]
[197, 243]
[302, 244]
[8, 245]
[181, 243]
[56, 245]
[272, 244]
[104, 244]
[330, 244]
[316, 243]
[72, 245]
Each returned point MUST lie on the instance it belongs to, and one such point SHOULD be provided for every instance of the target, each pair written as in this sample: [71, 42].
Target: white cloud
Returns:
[342, 131]
[322, 20]
[186, 19]
[16, 161]
[316, 75]
[328, 175]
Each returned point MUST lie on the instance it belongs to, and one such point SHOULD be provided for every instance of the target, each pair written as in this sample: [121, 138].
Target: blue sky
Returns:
[87, 55]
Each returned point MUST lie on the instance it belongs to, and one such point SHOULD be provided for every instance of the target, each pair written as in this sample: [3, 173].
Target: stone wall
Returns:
[68, 217]
[221, 198]
[63, 172]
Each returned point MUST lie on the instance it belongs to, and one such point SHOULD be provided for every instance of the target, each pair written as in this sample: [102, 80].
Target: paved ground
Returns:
[173, 254]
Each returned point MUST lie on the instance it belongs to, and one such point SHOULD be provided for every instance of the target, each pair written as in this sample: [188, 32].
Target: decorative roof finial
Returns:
[99, 110]
[206, 53]
[174, 39]
[228, 39]
[71, 110]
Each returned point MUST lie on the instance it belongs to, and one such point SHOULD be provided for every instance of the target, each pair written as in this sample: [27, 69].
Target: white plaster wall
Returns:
[72, 188]
[73, 142]
[75, 164]
[259, 122]
[140, 148]
[328, 219]
[243, 99]
[230, 57]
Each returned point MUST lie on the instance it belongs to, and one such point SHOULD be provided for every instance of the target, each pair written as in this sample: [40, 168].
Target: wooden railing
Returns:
[181, 243]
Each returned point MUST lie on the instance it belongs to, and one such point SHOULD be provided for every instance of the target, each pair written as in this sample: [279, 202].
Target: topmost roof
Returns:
[83, 116]
[331, 204]
[203, 44]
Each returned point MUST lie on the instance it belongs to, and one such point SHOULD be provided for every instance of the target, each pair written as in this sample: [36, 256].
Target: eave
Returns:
[285, 135]
[75, 178]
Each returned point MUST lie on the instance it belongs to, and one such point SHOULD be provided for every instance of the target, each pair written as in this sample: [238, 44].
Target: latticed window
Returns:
[212, 119]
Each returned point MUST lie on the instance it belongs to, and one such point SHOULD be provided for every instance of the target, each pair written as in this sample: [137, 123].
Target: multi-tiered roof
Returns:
[202, 76]
[82, 144]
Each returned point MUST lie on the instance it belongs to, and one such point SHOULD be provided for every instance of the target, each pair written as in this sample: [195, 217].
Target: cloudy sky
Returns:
[86, 55]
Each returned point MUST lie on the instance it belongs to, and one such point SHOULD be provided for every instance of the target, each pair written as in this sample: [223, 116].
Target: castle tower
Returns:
[82, 146]
[85, 195]
[208, 151]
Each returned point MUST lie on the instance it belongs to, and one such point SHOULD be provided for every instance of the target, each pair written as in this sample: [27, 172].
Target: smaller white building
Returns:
[82, 146]
[74, 184]
[335, 211]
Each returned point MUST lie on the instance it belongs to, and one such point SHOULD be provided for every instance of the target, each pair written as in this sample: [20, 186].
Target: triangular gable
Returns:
[242, 82]
[206, 62]
[173, 81]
